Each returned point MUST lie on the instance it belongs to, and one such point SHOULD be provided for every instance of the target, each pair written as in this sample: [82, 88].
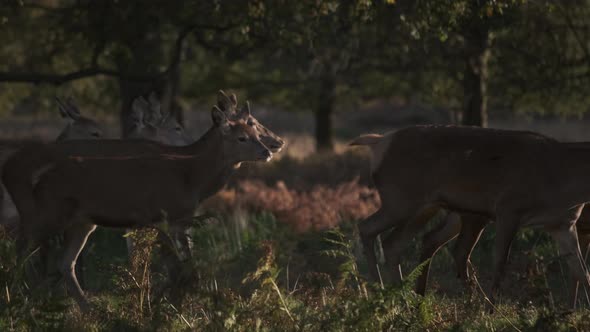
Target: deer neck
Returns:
[210, 167]
[63, 135]
[575, 165]
[208, 148]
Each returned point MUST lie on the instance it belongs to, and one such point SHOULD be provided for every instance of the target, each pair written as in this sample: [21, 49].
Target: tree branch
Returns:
[57, 79]
[179, 44]
[94, 70]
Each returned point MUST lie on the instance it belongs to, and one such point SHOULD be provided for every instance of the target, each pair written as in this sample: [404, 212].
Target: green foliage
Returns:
[281, 52]
[272, 286]
[348, 268]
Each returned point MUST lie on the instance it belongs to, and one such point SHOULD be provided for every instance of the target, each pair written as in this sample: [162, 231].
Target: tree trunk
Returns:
[146, 57]
[477, 52]
[323, 115]
[169, 100]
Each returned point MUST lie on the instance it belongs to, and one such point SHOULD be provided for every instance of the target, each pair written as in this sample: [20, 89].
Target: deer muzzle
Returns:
[266, 155]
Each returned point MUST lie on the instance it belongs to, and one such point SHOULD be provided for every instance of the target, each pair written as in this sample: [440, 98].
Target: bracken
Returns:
[322, 207]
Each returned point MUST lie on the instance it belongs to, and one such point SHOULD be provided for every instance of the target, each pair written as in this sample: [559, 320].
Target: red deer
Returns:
[124, 184]
[468, 228]
[492, 173]
[78, 127]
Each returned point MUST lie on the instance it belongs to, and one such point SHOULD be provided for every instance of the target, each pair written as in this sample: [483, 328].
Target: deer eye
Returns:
[242, 138]
[178, 129]
[95, 134]
[250, 123]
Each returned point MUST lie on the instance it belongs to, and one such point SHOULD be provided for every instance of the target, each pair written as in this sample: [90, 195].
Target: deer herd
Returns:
[158, 174]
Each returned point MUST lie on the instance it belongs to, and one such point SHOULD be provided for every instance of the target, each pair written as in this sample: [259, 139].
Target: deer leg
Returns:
[22, 244]
[567, 239]
[187, 241]
[182, 238]
[31, 240]
[505, 231]
[80, 268]
[173, 263]
[47, 251]
[584, 240]
[44, 256]
[23, 240]
[369, 229]
[75, 238]
[25, 246]
[432, 242]
[399, 238]
[170, 255]
[471, 228]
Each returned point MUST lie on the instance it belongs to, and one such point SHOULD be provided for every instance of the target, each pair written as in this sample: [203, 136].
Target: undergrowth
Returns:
[250, 272]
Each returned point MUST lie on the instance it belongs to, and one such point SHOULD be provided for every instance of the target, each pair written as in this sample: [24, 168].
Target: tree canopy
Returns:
[469, 56]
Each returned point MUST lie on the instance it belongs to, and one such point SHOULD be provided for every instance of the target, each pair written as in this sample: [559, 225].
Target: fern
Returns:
[348, 268]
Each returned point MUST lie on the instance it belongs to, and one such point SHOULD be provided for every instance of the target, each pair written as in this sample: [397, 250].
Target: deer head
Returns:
[149, 123]
[240, 142]
[229, 104]
[78, 127]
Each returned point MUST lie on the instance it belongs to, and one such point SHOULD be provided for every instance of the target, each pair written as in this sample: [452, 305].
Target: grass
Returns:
[251, 272]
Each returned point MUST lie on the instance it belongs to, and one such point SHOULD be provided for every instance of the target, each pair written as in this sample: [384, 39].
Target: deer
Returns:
[229, 104]
[77, 127]
[471, 227]
[149, 123]
[166, 129]
[122, 184]
[33, 159]
[467, 228]
[490, 173]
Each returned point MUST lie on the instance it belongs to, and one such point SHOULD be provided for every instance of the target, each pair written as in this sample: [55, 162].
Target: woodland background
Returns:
[282, 250]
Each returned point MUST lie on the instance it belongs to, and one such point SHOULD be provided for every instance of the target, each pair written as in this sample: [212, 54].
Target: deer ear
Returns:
[153, 98]
[63, 111]
[224, 102]
[67, 109]
[245, 111]
[219, 118]
[72, 108]
[154, 116]
[246, 108]
[233, 99]
[138, 109]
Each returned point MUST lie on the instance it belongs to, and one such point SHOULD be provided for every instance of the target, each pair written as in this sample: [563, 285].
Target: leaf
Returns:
[410, 280]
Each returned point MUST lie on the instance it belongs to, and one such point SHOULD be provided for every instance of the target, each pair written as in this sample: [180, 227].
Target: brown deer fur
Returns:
[516, 178]
[124, 184]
